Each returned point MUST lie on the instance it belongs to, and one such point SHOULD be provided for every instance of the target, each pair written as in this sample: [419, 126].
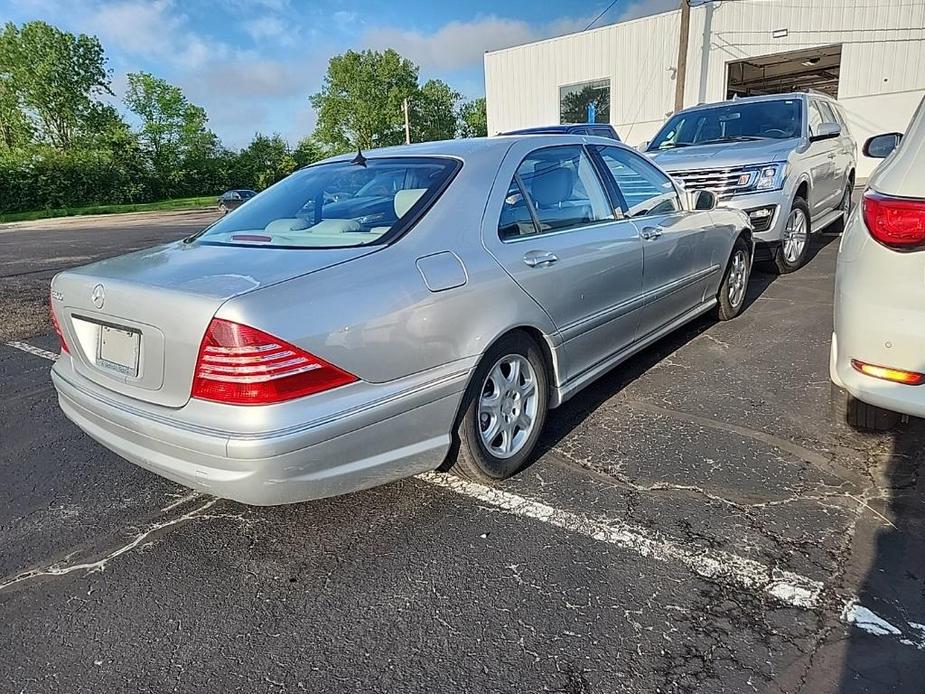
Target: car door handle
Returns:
[650, 233]
[832, 155]
[540, 258]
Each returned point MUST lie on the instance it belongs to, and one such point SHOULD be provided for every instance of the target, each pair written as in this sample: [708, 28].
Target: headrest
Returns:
[405, 199]
[552, 186]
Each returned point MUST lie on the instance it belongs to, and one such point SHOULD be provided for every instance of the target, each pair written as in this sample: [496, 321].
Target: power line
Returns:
[606, 10]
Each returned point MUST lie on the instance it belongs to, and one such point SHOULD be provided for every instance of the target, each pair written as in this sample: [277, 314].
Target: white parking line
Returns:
[786, 587]
[789, 588]
[37, 351]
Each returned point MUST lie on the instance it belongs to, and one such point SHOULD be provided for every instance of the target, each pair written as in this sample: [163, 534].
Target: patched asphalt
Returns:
[717, 441]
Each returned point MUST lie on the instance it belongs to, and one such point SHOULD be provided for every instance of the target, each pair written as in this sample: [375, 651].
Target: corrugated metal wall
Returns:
[882, 72]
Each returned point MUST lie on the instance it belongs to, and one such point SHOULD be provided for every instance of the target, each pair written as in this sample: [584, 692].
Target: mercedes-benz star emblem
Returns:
[98, 296]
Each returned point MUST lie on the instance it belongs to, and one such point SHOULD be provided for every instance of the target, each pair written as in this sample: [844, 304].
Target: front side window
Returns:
[555, 188]
[731, 122]
[646, 190]
[815, 118]
[339, 204]
[586, 102]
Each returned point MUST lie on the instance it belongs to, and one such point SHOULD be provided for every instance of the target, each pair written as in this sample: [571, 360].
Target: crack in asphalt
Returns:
[141, 538]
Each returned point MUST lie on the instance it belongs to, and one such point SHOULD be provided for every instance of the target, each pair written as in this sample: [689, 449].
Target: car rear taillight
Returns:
[895, 222]
[57, 327]
[241, 365]
[886, 373]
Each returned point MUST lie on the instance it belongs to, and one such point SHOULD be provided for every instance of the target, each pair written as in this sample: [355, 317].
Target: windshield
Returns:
[732, 122]
[340, 204]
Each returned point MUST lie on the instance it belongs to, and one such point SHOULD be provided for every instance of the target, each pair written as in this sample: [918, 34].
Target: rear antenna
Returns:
[359, 159]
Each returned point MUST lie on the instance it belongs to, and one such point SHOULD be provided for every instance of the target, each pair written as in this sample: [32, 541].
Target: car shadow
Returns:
[570, 415]
[893, 587]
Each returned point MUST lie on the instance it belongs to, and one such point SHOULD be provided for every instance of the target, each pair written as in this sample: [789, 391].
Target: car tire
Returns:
[223, 209]
[479, 456]
[732, 290]
[847, 409]
[838, 226]
[790, 258]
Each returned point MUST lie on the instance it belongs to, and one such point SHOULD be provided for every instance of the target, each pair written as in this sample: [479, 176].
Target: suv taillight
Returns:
[57, 327]
[241, 365]
[895, 222]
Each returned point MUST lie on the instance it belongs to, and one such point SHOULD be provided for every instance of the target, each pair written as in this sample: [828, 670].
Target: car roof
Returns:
[465, 148]
[561, 128]
[754, 99]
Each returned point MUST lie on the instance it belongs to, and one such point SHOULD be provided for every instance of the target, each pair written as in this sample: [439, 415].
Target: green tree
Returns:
[173, 132]
[308, 151]
[56, 77]
[473, 121]
[360, 102]
[433, 112]
[15, 128]
[264, 161]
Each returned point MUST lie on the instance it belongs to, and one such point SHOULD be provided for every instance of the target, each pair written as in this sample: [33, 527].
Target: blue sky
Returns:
[253, 63]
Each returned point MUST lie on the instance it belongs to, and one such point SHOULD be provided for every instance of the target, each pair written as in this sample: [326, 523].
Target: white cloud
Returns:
[271, 28]
[462, 44]
[153, 30]
[644, 8]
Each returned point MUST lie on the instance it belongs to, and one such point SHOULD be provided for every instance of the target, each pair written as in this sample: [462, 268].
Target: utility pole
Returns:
[683, 39]
[407, 122]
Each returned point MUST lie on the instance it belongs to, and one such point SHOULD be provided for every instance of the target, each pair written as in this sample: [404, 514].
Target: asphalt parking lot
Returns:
[695, 523]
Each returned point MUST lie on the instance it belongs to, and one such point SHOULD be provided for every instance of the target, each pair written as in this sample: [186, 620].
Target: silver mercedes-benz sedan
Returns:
[382, 314]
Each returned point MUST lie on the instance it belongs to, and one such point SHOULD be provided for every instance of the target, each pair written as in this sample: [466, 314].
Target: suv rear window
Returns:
[337, 205]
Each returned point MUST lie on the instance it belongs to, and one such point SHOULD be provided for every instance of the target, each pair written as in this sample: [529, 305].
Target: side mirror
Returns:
[642, 146]
[881, 146]
[704, 200]
[826, 131]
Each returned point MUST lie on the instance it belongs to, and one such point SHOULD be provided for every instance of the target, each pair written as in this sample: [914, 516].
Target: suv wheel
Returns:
[838, 226]
[794, 246]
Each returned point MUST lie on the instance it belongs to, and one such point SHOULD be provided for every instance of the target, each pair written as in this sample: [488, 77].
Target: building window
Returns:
[585, 102]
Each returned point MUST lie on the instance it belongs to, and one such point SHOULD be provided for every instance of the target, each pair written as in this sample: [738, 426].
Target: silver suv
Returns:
[787, 160]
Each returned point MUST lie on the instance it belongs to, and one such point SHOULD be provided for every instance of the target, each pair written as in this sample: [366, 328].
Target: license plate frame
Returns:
[118, 349]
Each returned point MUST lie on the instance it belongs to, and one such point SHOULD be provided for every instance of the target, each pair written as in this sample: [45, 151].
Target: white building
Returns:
[868, 53]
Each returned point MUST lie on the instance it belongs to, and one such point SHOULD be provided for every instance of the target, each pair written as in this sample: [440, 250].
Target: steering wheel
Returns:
[776, 132]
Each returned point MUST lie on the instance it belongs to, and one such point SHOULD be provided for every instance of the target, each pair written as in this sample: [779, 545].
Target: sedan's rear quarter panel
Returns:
[376, 317]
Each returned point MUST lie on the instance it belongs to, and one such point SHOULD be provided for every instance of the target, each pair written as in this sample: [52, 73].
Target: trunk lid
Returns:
[134, 323]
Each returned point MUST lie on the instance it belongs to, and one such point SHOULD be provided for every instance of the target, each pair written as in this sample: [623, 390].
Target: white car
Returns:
[877, 362]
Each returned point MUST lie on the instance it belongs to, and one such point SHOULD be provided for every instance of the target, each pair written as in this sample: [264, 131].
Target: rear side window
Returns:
[337, 205]
[555, 188]
[602, 132]
[645, 189]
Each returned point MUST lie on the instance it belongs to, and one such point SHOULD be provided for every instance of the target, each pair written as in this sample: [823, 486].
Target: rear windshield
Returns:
[336, 205]
[732, 122]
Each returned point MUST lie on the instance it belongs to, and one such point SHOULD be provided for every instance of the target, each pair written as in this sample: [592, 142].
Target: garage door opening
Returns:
[811, 68]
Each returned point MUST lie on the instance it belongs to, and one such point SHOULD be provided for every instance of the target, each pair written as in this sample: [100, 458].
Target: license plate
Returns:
[118, 350]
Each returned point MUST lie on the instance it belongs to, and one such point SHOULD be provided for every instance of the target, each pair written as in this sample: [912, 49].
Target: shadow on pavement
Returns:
[893, 587]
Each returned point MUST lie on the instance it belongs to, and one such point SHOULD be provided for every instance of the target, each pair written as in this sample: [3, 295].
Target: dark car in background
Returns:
[232, 199]
[596, 129]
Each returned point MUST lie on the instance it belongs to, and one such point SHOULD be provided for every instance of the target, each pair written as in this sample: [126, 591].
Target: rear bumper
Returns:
[909, 400]
[347, 453]
[879, 319]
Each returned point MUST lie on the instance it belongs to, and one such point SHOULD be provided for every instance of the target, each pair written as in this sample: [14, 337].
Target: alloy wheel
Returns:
[508, 406]
[795, 236]
[738, 278]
